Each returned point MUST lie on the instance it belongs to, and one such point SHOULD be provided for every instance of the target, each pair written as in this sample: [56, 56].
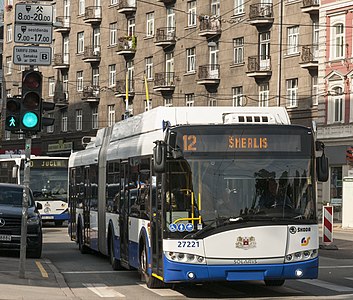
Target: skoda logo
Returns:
[292, 230]
[2, 222]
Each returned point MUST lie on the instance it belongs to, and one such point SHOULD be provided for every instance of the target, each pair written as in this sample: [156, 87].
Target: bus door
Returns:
[72, 204]
[124, 214]
[156, 227]
[86, 206]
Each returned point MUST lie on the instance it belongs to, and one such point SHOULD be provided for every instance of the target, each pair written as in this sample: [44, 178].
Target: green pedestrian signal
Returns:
[13, 108]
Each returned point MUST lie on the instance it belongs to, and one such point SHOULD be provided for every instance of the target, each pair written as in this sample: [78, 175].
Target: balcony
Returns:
[61, 98]
[311, 6]
[91, 94]
[261, 14]
[165, 37]
[93, 15]
[209, 26]
[259, 67]
[92, 54]
[127, 6]
[209, 74]
[310, 57]
[164, 82]
[61, 61]
[127, 45]
[167, 2]
[62, 24]
[121, 88]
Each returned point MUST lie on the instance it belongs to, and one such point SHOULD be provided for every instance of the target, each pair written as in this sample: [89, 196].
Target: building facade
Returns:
[336, 109]
[115, 58]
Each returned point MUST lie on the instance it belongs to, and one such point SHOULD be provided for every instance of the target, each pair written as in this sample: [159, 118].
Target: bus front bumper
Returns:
[181, 272]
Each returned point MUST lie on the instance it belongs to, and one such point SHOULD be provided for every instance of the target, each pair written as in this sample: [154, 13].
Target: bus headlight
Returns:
[185, 257]
[301, 256]
[33, 221]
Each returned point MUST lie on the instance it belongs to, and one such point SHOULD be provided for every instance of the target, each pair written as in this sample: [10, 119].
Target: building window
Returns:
[8, 64]
[168, 102]
[212, 99]
[111, 115]
[113, 33]
[9, 33]
[51, 89]
[81, 7]
[80, 42]
[191, 10]
[336, 183]
[95, 77]
[293, 39]
[95, 118]
[237, 93]
[79, 81]
[64, 120]
[150, 24]
[190, 60]
[149, 67]
[189, 99]
[264, 94]
[292, 92]
[113, 2]
[8, 93]
[112, 75]
[338, 41]
[238, 45]
[65, 80]
[238, 7]
[315, 90]
[337, 104]
[215, 8]
[78, 119]
[148, 105]
[131, 27]
[50, 129]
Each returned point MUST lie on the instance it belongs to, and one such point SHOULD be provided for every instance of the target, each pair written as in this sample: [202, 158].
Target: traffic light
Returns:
[46, 106]
[31, 101]
[13, 109]
[349, 154]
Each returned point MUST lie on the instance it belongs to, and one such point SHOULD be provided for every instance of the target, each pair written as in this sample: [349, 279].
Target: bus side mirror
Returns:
[322, 168]
[159, 156]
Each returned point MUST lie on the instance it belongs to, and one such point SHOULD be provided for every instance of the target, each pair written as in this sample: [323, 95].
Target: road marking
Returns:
[162, 292]
[327, 285]
[102, 290]
[41, 269]
[94, 272]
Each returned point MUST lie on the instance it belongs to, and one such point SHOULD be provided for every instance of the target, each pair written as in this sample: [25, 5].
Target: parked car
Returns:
[11, 196]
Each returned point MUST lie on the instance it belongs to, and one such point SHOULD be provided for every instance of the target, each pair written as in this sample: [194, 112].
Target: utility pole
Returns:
[25, 200]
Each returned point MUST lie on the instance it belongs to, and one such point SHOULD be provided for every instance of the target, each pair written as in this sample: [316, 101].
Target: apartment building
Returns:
[109, 56]
[336, 109]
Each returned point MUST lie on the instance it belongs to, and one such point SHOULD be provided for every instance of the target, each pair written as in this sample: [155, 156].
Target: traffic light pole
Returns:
[25, 200]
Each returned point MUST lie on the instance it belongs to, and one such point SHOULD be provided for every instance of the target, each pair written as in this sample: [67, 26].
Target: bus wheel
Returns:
[83, 248]
[113, 261]
[151, 282]
[274, 282]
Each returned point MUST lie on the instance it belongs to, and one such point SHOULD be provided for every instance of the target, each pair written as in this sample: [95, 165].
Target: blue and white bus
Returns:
[48, 181]
[179, 193]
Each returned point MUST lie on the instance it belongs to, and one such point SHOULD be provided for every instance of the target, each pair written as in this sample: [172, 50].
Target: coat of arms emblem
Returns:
[245, 242]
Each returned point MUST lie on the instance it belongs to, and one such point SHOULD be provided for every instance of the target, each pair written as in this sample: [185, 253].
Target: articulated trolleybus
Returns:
[194, 194]
[48, 181]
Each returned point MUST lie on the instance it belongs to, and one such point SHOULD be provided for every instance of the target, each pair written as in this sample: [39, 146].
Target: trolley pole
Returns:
[25, 200]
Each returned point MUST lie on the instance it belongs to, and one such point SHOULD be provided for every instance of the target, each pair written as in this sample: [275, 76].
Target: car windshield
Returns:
[12, 196]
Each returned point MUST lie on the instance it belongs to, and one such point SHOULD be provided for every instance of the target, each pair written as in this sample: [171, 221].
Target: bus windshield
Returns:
[49, 184]
[250, 189]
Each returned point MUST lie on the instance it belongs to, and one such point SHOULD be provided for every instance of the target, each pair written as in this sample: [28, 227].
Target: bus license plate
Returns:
[6, 238]
[47, 217]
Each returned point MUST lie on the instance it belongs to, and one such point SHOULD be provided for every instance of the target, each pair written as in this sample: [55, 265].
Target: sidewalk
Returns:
[42, 280]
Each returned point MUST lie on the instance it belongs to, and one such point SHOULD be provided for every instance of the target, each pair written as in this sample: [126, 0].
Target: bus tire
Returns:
[81, 246]
[115, 263]
[274, 282]
[151, 282]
